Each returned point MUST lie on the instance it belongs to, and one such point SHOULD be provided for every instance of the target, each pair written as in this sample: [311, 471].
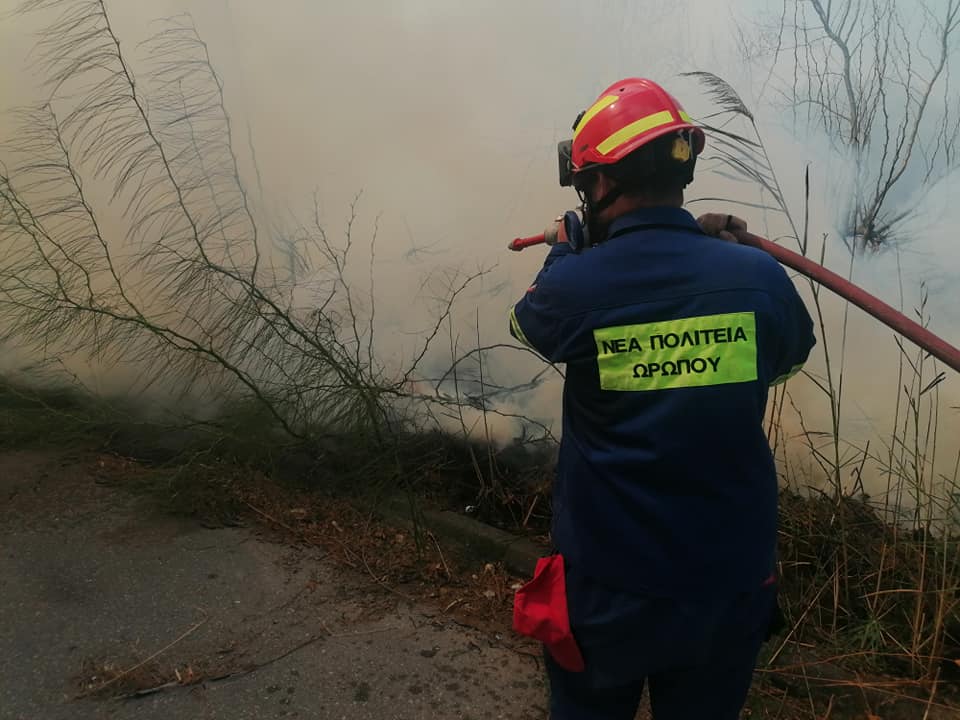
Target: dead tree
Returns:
[128, 234]
[874, 75]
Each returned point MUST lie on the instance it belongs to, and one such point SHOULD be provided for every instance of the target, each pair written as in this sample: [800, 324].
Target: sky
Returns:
[446, 115]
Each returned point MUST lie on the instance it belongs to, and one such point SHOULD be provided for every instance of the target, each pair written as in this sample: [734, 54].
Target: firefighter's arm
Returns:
[537, 319]
[796, 328]
[795, 324]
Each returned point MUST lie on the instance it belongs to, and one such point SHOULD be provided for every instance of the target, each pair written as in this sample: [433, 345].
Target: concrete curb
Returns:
[518, 554]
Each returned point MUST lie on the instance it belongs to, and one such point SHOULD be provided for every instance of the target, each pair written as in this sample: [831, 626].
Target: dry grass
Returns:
[851, 585]
[464, 587]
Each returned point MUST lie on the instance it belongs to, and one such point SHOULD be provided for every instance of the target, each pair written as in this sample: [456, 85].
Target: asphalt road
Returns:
[93, 582]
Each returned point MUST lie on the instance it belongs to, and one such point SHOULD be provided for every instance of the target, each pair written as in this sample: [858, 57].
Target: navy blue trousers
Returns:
[695, 657]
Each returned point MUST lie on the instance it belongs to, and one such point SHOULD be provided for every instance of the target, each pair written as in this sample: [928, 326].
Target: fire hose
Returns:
[889, 316]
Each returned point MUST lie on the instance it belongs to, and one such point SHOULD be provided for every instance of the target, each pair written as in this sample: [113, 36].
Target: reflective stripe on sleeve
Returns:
[783, 378]
[517, 330]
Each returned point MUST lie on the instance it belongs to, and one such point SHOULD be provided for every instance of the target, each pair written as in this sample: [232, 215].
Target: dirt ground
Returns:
[111, 609]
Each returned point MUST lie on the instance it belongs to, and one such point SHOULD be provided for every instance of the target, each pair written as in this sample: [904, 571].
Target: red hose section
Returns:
[913, 331]
[889, 316]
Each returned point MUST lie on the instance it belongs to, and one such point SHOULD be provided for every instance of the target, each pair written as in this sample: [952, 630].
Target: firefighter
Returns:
[665, 498]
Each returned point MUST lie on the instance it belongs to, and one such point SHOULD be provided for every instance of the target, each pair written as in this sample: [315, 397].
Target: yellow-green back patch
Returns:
[690, 352]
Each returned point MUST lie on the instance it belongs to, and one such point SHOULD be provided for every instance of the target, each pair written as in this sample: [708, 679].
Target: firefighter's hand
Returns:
[721, 226]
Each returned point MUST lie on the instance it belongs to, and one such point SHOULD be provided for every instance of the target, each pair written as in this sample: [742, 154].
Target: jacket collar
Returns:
[655, 216]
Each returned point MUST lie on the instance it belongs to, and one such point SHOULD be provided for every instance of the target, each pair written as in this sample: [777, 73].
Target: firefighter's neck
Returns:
[630, 202]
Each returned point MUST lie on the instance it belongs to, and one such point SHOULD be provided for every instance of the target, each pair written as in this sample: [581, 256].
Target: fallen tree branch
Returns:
[102, 686]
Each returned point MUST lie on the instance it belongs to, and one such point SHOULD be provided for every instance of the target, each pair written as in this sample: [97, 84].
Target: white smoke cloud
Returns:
[446, 113]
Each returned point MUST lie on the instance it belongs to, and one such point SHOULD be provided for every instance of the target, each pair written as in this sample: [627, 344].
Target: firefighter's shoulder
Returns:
[752, 264]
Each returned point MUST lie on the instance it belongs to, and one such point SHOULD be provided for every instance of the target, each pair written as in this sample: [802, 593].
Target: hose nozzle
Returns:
[551, 236]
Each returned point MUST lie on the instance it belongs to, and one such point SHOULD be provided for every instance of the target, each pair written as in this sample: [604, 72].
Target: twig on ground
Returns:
[102, 686]
[446, 568]
[382, 583]
[232, 675]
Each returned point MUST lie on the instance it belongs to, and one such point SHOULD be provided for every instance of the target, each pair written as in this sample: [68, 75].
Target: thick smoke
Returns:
[446, 115]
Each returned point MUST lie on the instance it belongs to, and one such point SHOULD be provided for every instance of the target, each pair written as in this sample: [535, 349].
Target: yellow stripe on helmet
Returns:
[604, 102]
[638, 127]
[685, 117]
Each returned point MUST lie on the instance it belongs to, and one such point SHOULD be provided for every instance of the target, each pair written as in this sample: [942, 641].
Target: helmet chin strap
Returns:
[593, 232]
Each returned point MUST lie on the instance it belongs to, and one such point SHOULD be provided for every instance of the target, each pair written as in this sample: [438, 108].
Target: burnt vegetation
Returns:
[131, 238]
[875, 77]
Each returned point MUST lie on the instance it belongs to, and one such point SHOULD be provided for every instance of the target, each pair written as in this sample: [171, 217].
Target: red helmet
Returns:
[628, 115]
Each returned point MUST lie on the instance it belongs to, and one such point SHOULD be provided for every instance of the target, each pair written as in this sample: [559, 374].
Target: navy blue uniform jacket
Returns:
[665, 483]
